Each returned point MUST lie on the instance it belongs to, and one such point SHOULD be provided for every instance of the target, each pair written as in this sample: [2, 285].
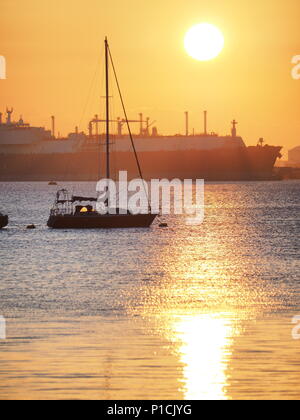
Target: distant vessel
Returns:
[3, 221]
[64, 216]
[35, 154]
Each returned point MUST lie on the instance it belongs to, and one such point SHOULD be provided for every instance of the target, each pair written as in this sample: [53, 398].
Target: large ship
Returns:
[35, 154]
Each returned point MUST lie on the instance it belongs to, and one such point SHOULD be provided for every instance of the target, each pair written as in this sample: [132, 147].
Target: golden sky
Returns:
[52, 48]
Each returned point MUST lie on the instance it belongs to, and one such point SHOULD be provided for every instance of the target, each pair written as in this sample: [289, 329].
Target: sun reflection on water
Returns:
[206, 294]
[204, 351]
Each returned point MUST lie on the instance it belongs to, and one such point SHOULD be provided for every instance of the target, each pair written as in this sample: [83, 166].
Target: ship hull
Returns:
[236, 164]
[101, 221]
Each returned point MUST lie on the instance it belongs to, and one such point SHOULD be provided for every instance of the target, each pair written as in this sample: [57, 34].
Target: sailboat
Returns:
[3, 221]
[68, 211]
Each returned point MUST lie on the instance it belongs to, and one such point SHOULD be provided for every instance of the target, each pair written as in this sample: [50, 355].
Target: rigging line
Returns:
[98, 63]
[128, 125]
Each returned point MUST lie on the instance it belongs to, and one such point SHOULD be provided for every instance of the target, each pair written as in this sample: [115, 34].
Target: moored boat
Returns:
[3, 221]
[64, 215]
[67, 215]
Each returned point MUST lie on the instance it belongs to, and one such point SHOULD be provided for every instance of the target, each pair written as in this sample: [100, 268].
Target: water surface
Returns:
[188, 312]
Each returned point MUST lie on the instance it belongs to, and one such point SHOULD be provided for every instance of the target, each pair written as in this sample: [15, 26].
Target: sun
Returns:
[204, 42]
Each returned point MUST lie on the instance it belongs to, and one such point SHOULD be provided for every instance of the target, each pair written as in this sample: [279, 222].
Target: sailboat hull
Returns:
[101, 222]
[3, 221]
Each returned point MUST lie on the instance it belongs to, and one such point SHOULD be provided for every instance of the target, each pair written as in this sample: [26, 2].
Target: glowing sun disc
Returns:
[204, 42]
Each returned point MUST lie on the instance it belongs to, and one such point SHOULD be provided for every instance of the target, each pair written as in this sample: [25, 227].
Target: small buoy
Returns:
[163, 225]
[30, 227]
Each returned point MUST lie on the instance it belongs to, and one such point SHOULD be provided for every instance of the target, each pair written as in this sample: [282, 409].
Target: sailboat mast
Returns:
[107, 110]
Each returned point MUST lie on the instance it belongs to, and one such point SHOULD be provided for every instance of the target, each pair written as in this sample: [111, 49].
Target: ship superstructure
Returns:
[18, 137]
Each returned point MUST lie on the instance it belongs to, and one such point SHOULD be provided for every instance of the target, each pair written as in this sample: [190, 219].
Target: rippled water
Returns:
[188, 312]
